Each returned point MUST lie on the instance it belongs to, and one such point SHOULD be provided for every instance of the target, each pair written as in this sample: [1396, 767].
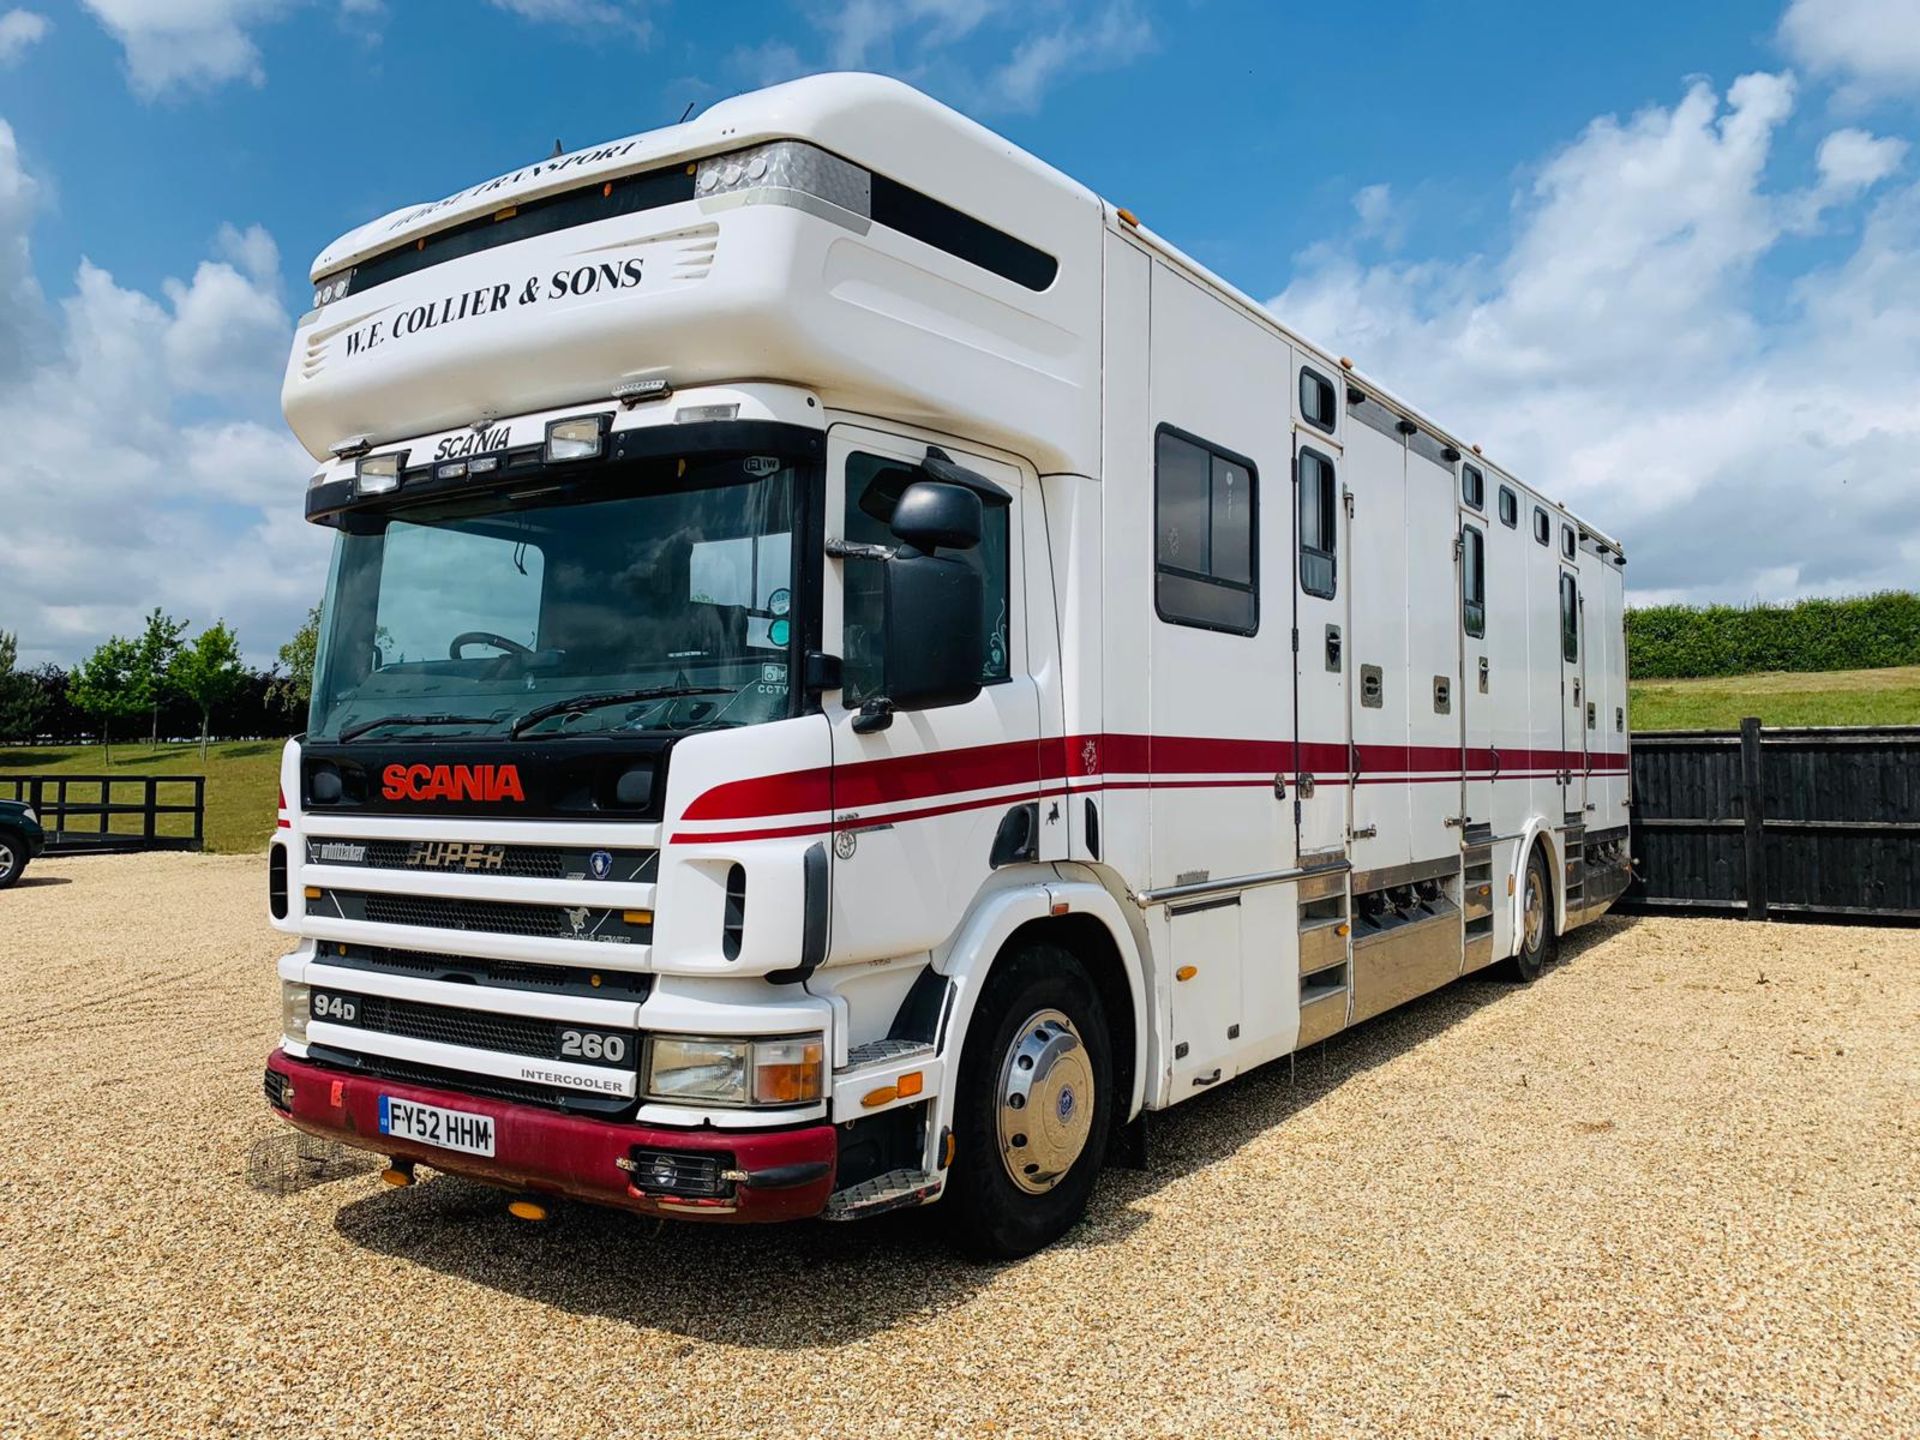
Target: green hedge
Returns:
[1867, 632]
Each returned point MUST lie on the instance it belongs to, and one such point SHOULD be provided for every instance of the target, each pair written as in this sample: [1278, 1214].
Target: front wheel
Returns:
[13, 860]
[1034, 1106]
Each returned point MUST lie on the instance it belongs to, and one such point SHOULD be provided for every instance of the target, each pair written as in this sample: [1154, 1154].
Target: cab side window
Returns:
[874, 486]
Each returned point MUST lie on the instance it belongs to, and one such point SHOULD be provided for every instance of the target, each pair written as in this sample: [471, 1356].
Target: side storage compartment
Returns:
[1406, 934]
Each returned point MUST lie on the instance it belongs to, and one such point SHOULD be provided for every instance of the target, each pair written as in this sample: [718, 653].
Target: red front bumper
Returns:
[552, 1153]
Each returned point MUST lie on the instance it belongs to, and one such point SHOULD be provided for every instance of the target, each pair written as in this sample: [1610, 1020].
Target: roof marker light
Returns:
[1127, 217]
[652, 387]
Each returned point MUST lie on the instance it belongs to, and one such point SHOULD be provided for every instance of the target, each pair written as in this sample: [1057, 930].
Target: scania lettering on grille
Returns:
[454, 855]
[452, 782]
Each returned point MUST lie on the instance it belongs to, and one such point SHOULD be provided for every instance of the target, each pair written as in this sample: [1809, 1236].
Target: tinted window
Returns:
[1473, 487]
[1203, 535]
[874, 486]
[1567, 543]
[1542, 527]
[1473, 580]
[1509, 508]
[1319, 521]
[1569, 618]
[1317, 403]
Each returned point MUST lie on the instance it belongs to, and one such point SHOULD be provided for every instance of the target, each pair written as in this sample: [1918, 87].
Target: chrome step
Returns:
[892, 1191]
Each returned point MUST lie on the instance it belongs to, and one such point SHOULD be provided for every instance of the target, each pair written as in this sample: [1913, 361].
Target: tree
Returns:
[111, 684]
[19, 695]
[158, 648]
[208, 671]
[294, 690]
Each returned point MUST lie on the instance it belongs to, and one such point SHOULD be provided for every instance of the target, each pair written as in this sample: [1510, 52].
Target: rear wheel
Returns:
[1536, 920]
[13, 859]
[1034, 1106]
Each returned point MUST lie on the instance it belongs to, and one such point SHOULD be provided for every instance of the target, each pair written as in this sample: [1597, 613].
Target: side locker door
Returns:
[1376, 647]
[1573, 691]
[1320, 659]
[1476, 660]
[1433, 781]
[917, 805]
[1596, 614]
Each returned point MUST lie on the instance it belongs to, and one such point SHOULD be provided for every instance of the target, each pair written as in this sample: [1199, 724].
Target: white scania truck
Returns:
[852, 670]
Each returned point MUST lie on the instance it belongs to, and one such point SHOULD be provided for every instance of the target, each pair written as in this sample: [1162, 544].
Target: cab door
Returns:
[919, 805]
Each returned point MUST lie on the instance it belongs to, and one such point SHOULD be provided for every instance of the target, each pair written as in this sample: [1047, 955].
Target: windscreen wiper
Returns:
[354, 732]
[579, 704]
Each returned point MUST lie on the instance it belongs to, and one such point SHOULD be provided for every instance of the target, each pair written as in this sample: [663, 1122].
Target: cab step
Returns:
[894, 1190]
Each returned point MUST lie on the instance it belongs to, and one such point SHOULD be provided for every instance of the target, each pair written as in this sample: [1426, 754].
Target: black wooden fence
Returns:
[116, 813]
[1804, 823]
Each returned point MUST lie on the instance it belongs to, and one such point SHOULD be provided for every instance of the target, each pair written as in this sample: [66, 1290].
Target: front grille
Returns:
[502, 974]
[517, 1092]
[694, 1174]
[524, 862]
[447, 1025]
[492, 917]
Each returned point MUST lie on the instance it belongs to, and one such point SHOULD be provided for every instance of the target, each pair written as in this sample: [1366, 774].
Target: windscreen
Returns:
[467, 617]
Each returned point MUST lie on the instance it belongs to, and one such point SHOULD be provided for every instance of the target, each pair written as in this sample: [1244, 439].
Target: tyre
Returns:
[1537, 940]
[13, 858]
[1035, 1105]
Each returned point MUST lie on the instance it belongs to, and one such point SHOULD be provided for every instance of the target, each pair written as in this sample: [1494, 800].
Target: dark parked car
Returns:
[21, 839]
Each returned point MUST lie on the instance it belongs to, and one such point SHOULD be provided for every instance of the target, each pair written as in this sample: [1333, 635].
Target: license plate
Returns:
[430, 1125]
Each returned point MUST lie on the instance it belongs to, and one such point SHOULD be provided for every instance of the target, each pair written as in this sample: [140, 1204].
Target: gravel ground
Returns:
[1669, 1189]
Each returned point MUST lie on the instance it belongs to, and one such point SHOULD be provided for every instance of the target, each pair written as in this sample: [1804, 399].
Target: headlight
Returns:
[294, 1009]
[32, 819]
[788, 1071]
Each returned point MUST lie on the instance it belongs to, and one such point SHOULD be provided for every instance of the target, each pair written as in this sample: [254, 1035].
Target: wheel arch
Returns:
[1092, 928]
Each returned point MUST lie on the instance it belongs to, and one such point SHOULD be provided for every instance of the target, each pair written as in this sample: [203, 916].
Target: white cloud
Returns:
[20, 30]
[1871, 44]
[145, 461]
[984, 55]
[629, 16]
[1118, 35]
[1852, 160]
[186, 44]
[1629, 352]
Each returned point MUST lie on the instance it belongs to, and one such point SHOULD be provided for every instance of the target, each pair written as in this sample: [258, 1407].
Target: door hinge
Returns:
[1296, 639]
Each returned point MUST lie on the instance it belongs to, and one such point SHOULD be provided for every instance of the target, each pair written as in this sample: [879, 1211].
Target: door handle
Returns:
[1279, 787]
[1212, 1079]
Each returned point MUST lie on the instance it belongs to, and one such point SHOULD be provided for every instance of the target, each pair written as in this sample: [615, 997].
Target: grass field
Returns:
[243, 776]
[242, 784]
[1833, 697]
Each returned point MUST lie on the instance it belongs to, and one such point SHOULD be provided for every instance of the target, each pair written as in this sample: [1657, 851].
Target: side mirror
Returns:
[936, 642]
[934, 515]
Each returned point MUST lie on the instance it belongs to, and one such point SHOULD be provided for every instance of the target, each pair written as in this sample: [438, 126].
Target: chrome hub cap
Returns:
[6, 860]
[1534, 916]
[1045, 1102]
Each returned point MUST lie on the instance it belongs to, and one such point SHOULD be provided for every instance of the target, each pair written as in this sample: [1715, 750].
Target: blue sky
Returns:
[1686, 301]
